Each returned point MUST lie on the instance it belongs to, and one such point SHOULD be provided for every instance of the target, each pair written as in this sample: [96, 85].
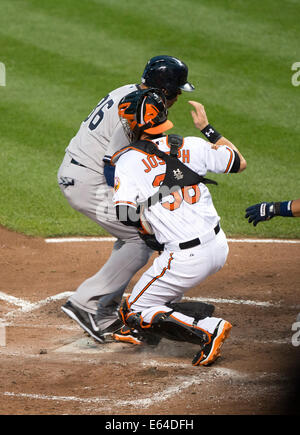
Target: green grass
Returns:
[62, 56]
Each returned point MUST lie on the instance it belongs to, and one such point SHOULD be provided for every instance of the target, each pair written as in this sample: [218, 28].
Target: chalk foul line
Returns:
[113, 239]
[234, 301]
[15, 301]
[183, 382]
[79, 239]
[26, 307]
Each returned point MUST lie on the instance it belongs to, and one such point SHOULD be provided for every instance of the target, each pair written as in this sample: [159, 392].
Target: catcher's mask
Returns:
[146, 111]
[169, 73]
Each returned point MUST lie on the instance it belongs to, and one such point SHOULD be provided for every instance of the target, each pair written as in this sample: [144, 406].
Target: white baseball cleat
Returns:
[211, 351]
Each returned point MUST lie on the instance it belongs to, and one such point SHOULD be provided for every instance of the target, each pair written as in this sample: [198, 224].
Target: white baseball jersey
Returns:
[185, 214]
[101, 133]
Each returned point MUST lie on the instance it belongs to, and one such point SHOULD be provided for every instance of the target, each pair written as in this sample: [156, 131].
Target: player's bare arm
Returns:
[201, 123]
[296, 207]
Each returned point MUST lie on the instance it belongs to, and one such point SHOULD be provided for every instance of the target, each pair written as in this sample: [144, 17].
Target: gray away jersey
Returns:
[101, 133]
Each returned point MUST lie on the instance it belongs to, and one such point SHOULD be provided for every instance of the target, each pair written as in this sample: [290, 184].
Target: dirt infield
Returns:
[48, 366]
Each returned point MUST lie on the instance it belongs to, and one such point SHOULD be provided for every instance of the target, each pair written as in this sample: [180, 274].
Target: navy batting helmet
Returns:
[169, 73]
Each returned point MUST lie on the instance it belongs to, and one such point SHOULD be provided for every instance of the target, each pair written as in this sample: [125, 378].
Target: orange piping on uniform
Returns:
[193, 326]
[230, 160]
[148, 325]
[128, 148]
[153, 279]
[125, 202]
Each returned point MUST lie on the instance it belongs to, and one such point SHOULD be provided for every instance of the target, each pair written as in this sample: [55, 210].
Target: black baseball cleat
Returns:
[87, 322]
[211, 351]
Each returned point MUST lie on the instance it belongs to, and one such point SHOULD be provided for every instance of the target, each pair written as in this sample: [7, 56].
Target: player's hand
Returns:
[199, 115]
[260, 212]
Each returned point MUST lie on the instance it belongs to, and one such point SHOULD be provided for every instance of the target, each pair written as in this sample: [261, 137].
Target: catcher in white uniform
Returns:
[86, 179]
[163, 176]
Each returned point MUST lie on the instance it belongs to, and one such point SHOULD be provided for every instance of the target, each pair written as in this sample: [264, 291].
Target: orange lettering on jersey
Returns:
[147, 166]
[185, 156]
[158, 180]
[161, 161]
[152, 160]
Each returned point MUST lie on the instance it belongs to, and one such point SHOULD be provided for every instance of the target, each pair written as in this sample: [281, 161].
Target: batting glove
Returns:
[260, 212]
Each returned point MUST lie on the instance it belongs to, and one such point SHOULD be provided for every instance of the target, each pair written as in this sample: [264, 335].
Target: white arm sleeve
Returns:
[220, 160]
[208, 159]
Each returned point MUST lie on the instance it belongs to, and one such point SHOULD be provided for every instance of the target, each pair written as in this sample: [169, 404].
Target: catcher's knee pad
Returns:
[128, 317]
[195, 309]
[168, 326]
[135, 322]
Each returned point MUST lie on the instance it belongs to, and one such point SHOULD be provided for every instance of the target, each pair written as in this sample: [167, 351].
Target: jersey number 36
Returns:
[98, 112]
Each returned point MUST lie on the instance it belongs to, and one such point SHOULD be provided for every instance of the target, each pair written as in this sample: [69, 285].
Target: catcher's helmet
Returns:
[169, 73]
[144, 110]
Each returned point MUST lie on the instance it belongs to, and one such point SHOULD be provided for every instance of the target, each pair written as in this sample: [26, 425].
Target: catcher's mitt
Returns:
[151, 241]
[146, 233]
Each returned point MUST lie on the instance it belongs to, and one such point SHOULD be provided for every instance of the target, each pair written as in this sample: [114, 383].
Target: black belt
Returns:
[74, 162]
[197, 241]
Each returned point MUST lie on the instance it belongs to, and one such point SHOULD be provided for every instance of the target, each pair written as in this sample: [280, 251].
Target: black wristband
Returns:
[107, 160]
[283, 209]
[211, 134]
[277, 208]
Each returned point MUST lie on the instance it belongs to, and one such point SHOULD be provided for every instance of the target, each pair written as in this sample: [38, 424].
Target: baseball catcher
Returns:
[166, 176]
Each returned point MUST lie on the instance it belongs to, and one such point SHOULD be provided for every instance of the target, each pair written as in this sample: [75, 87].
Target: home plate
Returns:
[88, 345]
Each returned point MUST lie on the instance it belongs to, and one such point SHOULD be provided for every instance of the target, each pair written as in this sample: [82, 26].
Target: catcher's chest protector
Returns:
[178, 175]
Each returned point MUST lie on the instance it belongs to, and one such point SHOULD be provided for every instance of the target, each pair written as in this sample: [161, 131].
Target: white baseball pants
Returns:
[172, 274]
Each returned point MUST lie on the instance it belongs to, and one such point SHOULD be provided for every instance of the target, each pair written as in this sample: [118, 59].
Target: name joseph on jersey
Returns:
[152, 161]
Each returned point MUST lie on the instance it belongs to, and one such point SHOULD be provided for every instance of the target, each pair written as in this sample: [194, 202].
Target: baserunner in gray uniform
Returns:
[86, 180]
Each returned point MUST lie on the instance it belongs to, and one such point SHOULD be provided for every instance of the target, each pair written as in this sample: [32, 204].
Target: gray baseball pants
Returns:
[87, 192]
